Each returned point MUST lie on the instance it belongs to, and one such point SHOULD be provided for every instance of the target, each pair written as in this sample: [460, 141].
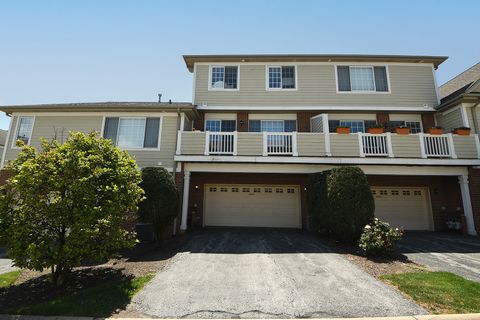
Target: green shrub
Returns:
[316, 199]
[350, 201]
[161, 202]
[378, 238]
[68, 204]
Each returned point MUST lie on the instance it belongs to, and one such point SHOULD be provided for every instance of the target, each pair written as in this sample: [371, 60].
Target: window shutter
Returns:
[254, 126]
[152, 128]
[333, 124]
[290, 125]
[110, 130]
[381, 83]
[343, 75]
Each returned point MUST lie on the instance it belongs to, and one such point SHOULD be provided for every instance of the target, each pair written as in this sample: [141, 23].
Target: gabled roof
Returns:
[460, 82]
[190, 60]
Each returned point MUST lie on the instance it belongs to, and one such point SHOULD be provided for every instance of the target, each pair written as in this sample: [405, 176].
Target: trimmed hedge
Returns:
[161, 202]
[341, 202]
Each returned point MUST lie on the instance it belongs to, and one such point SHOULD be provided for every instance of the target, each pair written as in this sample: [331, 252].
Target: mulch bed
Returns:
[377, 266]
[34, 287]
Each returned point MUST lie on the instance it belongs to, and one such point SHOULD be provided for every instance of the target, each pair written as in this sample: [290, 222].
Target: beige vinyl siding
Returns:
[249, 144]
[465, 147]
[57, 127]
[193, 143]
[344, 145]
[410, 86]
[406, 146]
[311, 144]
[450, 120]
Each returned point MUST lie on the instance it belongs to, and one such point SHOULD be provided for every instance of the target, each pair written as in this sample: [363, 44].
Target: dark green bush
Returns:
[161, 203]
[378, 238]
[342, 202]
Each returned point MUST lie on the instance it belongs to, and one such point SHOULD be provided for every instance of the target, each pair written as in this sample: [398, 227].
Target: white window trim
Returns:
[374, 84]
[14, 139]
[352, 120]
[160, 125]
[211, 66]
[405, 123]
[215, 119]
[267, 79]
[282, 120]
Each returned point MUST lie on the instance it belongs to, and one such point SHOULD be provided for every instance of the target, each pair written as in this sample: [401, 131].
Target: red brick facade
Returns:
[242, 121]
[444, 191]
[428, 120]
[383, 119]
[474, 183]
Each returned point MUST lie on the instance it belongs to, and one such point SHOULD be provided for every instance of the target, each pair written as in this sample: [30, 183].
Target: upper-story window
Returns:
[223, 77]
[24, 130]
[362, 79]
[221, 125]
[133, 132]
[414, 126]
[281, 77]
[272, 125]
[355, 125]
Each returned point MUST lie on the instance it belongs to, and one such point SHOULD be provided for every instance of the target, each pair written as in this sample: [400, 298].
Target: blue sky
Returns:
[90, 50]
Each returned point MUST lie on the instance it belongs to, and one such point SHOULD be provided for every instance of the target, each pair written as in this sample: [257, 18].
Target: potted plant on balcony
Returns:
[462, 131]
[402, 130]
[343, 130]
[436, 130]
[376, 129]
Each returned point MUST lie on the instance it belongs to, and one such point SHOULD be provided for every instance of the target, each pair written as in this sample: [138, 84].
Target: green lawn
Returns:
[99, 301]
[439, 292]
[8, 278]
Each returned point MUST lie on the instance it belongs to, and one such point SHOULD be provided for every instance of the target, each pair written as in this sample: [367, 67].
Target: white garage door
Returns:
[237, 205]
[406, 208]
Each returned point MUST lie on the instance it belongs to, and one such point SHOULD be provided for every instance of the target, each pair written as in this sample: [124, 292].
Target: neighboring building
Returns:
[259, 124]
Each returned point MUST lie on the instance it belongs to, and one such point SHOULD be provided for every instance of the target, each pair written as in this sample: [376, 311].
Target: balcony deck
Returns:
[326, 147]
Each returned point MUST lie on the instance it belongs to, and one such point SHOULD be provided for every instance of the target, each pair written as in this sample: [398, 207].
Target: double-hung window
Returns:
[281, 77]
[272, 125]
[414, 126]
[224, 77]
[354, 125]
[362, 79]
[133, 132]
[220, 125]
[24, 130]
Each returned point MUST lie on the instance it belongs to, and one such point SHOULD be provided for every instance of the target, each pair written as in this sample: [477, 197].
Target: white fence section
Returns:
[437, 145]
[280, 143]
[221, 143]
[375, 145]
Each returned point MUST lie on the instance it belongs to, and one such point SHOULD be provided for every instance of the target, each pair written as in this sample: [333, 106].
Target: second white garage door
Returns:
[406, 208]
[276, 206]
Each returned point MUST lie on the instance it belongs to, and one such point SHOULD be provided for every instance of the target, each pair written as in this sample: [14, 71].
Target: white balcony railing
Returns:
[375, 144]
[440, 146]
[220, 143]
[280, 143]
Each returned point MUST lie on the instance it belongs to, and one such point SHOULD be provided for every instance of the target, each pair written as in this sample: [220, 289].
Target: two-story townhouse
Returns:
[267, 121]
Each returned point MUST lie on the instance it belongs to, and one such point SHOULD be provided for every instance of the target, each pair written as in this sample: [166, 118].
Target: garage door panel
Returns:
[252, 206]
[403, 207]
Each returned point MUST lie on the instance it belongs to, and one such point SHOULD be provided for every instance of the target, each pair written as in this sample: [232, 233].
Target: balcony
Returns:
[328, 145]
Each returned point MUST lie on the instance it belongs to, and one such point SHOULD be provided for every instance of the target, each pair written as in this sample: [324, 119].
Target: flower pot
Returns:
[375, 130]
[343, 130]
[402, 130]
[435, 131]
[462, 132]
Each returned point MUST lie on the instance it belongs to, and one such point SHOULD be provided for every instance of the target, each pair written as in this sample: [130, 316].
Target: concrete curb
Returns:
[467, 316]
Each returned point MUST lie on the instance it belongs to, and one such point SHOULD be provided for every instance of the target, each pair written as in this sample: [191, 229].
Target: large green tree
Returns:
[69, 204]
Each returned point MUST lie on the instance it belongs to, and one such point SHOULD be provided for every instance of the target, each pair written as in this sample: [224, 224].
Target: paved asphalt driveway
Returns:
[444, 252]
[265, 273]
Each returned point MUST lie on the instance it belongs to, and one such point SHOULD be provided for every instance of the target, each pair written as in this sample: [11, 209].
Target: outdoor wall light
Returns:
[196, 187]
[241, 123]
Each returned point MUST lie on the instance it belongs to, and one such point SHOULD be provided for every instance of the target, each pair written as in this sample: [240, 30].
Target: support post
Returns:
[326, 132]
[467, 204]
[186, 191]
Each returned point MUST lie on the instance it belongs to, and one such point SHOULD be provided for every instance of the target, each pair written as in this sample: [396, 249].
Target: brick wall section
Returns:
[4, 175]
[200, 179]
[444, 192]
[303, 121]
[474, 183]
[428, 121]
[198, 124]
[242, 116]
[383, 119]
